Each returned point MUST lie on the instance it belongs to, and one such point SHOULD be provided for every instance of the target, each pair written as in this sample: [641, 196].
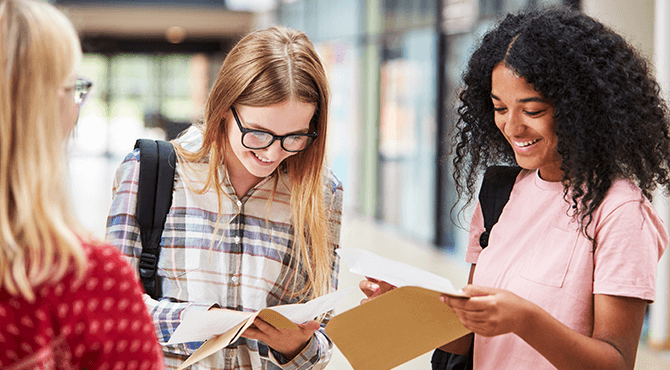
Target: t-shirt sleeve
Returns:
[476, 230]
[630, 240]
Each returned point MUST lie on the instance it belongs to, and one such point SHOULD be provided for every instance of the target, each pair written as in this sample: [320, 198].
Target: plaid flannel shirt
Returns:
[246, 269]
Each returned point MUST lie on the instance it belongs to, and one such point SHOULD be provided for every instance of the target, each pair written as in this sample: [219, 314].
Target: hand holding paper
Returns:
[222, 327]
[373, 288]
[400, 324]
[396, 273]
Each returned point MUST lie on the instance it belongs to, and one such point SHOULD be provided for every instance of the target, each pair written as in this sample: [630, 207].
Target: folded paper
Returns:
[399, 325]
[222, 327]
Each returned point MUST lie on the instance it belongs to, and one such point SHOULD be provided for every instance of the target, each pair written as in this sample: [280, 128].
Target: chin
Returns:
[261, 172]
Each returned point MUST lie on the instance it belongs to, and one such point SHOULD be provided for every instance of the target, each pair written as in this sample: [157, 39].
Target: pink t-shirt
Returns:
[536, 251]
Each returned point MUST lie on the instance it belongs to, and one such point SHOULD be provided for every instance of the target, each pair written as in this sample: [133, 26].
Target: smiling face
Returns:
[252, 165]
[526, 120]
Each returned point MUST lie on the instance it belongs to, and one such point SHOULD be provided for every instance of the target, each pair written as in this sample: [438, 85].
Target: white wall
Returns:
[633, 19]
[645, 24]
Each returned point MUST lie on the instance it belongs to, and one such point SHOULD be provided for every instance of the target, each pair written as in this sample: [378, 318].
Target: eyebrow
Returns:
[525, 100]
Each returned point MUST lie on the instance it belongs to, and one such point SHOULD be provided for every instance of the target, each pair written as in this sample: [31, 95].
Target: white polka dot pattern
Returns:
[98, 322]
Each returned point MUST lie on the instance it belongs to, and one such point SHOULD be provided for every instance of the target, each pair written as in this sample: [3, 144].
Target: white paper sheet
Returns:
[202, 326]
[400, 274]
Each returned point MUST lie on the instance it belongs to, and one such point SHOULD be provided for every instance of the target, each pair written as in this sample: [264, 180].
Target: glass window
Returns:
[140, 95]
[407, 128]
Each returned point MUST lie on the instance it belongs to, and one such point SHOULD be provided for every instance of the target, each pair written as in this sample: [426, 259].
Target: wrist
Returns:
[291, 354]
[528, 319]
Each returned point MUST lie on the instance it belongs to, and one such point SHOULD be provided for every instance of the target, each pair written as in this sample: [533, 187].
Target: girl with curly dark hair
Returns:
[571, 263]
[570, 266]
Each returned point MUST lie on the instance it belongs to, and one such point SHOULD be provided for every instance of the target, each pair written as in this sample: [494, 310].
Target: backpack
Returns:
[493, 195]
[154, 197]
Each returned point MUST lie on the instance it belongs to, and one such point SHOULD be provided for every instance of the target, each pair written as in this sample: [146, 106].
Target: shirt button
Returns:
[234, 279]
[231, 354]
[239, 203]
[237, 239]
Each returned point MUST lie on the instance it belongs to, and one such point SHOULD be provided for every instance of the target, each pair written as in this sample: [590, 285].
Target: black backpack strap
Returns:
[493, 195]
[154, 197]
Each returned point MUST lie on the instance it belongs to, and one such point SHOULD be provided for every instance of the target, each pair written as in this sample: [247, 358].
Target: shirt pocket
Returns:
[174, 264]
[551, 258]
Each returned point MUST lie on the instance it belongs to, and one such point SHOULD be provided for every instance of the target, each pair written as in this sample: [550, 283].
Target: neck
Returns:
[241, 180]
[241, 183]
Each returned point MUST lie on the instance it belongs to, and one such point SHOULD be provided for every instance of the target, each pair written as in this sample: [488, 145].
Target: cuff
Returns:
[190, 347]
[308, 355]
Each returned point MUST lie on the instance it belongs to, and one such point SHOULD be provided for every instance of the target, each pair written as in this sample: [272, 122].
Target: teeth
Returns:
[523, 144]
[262, 159]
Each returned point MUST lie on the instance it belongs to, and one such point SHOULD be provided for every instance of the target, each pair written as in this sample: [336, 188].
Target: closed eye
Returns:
[535, 113]
[499, 109]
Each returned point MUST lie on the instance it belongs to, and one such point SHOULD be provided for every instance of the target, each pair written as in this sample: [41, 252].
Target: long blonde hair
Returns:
[267, 67]
[39, 50]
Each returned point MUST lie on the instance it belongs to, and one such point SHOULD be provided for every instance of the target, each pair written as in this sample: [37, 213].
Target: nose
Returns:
[513, 123]
[274, 151]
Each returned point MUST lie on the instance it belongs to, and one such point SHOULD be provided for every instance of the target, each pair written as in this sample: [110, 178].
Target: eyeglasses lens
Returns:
[257, 140]
[81, 90]
[260, 140]
[296, 143]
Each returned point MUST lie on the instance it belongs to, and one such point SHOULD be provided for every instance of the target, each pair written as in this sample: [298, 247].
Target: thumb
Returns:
[478, 291]
[310, 326]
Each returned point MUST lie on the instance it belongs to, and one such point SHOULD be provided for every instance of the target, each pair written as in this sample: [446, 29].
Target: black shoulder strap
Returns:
[154, 197]
[494, 194]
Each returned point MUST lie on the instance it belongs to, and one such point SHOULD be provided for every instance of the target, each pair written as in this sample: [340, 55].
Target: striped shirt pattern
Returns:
[245, 266]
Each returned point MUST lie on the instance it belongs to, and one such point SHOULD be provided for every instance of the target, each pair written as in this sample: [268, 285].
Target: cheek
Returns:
[499, 122]
[288, 155]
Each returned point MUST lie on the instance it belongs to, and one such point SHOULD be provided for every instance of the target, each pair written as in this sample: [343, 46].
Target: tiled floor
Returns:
[91, 183]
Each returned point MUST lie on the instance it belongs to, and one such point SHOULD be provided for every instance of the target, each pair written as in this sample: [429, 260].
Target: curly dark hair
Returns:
[611, 122]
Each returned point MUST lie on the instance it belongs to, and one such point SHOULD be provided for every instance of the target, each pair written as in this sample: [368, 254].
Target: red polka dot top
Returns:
[98, 322]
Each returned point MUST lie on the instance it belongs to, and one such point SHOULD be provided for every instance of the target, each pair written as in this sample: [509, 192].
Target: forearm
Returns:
[553, 340]
[167, 315]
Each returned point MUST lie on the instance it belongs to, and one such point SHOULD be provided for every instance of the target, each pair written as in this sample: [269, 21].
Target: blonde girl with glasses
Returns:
[66, 300]
[255, 215]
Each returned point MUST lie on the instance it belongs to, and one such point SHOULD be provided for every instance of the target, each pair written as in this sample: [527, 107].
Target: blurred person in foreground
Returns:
[66, 301]
[255, 214]
[571, 264]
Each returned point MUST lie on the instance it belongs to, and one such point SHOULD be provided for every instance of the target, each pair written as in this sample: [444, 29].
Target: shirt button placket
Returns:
[235, 279]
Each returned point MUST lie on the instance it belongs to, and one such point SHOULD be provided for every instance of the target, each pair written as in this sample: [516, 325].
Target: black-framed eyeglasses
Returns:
[256, 139]
[81, 89]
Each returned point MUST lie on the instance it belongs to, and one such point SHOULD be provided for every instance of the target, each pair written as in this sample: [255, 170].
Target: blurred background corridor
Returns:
[394, 68]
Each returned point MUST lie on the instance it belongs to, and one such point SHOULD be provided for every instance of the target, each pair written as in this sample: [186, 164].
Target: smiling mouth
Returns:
[262, 159]
[523, 144]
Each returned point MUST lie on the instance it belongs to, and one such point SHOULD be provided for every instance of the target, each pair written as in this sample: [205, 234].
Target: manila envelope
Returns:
[394, 328]
[223, 340]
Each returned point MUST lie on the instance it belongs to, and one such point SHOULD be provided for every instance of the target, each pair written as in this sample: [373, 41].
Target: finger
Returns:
[253, 333]
[472, 316]
[459, 303]
[264, 327]
[477, 291]
[372, 279]
[454, 301]
[368, 288]
[309, 327]
[386, 287]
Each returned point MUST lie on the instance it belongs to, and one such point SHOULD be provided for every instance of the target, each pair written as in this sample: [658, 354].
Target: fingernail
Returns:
[374, 287]
[443, 299]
